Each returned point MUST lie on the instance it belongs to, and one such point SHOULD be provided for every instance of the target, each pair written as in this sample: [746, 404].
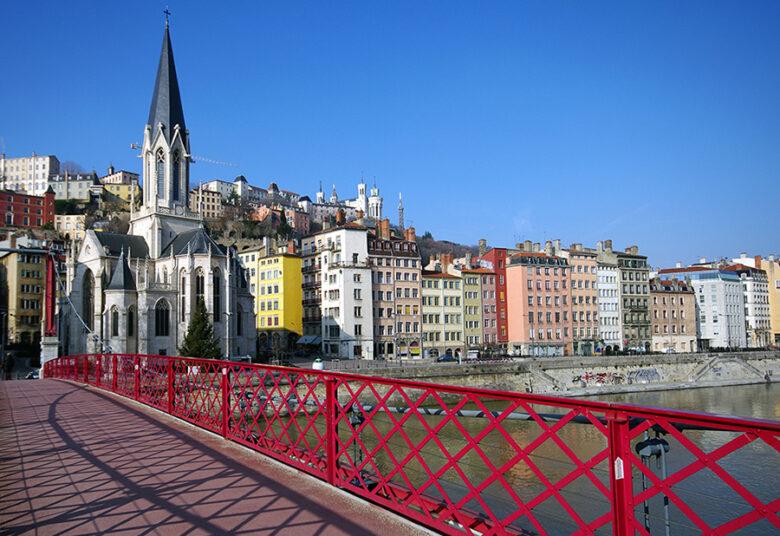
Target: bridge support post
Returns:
[113, 374]
[620, 474]
[225, 402]
[330, 429]
[169, 383]
[137, 377]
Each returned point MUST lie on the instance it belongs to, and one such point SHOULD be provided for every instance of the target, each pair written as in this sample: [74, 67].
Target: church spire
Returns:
[166, 101]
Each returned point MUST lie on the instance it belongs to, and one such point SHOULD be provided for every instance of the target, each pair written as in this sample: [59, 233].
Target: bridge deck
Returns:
[78, 461]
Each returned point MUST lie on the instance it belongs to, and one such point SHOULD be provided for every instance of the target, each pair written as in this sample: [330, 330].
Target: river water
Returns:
[712, 502]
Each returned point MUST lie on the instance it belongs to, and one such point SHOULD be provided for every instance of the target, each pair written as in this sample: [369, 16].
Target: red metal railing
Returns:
[473, 461]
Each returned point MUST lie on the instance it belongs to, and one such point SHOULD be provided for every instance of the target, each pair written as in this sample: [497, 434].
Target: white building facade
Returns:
[27, 174]
[337, 291]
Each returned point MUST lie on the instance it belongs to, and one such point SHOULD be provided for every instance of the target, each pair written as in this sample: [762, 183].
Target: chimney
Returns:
[548, 248]
[536, 247]
[410, 235]
[519, 246]
[678, 264]
[557, 245]
[468, 259]
[771, 258]
[757, 261]
[482, 246]
[599, 246]
[12, 238]
[291, 247]
[608, 245]
[360, 219]
[743, 255]
[702, 260]
[341, 219]
[527, 246]
[325, 222]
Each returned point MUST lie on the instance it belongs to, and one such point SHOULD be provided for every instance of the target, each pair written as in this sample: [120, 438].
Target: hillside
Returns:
[430, 246]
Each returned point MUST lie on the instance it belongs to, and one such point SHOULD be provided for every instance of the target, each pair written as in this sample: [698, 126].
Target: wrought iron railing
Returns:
[473, 461]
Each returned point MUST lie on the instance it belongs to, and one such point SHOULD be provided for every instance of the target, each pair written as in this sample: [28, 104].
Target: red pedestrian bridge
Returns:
[457, 460]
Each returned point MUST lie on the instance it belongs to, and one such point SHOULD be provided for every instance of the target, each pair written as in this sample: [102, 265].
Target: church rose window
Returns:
[162, 319]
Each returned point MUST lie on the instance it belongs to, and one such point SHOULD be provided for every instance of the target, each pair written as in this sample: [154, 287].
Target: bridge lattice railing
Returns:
[473, 461]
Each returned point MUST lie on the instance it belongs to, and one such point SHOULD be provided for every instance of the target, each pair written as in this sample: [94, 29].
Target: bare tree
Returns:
[71, 167]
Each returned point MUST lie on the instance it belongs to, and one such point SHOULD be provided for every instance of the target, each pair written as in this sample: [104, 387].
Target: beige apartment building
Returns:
[442, 313]
[70, 226]
[207, 202]
[396, 293]
[673, 316]
[584, 299]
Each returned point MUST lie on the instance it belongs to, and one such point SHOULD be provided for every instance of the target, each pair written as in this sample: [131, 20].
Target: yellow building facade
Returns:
[21, 296]
[275, 282]
[123, 191]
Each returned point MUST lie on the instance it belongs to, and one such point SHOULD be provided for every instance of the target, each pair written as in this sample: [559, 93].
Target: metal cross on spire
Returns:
[167, 14]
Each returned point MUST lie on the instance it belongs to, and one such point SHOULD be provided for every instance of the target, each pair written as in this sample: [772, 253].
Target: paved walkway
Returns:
[74, 460]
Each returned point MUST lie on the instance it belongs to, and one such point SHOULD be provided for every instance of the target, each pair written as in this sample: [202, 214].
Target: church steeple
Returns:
[166, 101]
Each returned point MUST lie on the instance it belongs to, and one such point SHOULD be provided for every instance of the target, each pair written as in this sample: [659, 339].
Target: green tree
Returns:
[199, 341]
[284, 231]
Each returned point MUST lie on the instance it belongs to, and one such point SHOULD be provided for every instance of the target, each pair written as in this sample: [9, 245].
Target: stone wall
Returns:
[577, 376]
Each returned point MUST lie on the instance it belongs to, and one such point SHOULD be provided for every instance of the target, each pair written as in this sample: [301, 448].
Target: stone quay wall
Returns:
[582, 376]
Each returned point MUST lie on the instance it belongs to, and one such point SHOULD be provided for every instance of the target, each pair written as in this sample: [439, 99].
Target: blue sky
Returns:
[656, 124]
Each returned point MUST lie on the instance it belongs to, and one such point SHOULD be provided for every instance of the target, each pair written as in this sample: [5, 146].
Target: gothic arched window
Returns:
[114, 322]
[176, 175]
[131, 322]
[217, 296]
[162, 318]
[160, 173]
[87, 291]
[183, 296]
[199, 287]
[239, 321]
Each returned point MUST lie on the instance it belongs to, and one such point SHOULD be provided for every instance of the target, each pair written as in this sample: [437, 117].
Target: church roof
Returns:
[135, 246]
[166, 102]
[122, 278]
[198, 240]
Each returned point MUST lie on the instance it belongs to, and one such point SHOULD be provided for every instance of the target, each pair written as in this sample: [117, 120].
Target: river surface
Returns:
[712, 503]
[758, 401]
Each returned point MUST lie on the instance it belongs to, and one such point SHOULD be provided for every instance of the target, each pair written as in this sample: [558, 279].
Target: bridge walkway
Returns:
[74, 460]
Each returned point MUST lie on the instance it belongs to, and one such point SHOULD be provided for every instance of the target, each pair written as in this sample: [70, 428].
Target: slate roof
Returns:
[134, 246]
[198, 240]
[166, 101]
[122, 278]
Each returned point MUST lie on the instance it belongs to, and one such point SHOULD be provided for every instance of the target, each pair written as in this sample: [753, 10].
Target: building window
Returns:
[217, 296]
[114, 322]
[162, 319]
[87, 289]
[131, 322]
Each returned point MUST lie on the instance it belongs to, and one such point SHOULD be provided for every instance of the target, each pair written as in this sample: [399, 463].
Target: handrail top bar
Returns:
[611, 408]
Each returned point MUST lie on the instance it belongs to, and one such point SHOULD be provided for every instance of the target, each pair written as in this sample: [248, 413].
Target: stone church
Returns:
[135, 293]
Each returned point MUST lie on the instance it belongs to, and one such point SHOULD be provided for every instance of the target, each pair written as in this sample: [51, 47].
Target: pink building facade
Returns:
[539, 305]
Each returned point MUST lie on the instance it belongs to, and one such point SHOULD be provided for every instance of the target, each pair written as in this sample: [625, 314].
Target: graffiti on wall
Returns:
[616, 378]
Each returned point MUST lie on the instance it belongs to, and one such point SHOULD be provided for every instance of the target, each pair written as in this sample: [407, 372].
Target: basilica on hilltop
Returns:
[135, 292]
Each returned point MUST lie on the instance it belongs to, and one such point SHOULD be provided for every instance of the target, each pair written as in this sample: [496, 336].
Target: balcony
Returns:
[312, 284]
[312, 301]
[309, 269]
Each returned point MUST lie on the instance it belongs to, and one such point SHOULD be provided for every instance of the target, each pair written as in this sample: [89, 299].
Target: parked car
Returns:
[444, 358]
[32, 375]
[669, 351]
